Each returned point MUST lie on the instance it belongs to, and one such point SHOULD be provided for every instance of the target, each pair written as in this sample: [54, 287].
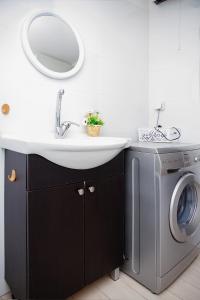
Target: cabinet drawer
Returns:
[42, 173]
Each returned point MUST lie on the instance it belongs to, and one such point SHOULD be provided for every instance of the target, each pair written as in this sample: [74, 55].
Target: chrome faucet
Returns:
[61, 128]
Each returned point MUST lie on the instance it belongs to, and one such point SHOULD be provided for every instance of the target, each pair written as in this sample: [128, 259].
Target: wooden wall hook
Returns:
[13, 176]
[5, 109]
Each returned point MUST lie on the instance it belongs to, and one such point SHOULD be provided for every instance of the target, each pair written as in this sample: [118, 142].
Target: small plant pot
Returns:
[93, 130]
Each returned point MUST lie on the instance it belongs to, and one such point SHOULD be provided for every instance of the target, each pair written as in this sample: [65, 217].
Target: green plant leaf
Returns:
[94, 119]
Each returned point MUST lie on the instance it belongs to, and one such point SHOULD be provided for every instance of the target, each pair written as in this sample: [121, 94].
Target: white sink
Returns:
[79, 152]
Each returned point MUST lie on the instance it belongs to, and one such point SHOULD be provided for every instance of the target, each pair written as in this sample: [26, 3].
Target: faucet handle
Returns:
[62, 129]
[76, 124]
[69, 123]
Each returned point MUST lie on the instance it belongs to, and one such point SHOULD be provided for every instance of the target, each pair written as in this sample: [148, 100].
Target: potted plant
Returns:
[93, 124]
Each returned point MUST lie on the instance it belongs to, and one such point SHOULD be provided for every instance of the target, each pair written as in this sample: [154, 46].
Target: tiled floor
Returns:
[186, 287]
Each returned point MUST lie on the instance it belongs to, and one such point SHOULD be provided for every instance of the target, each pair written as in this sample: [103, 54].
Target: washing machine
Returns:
[162, 224]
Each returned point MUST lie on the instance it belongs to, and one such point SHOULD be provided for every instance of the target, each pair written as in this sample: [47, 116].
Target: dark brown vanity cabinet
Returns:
[63, 227]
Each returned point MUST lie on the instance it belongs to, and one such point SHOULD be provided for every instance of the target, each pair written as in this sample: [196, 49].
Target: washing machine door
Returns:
[185, 208]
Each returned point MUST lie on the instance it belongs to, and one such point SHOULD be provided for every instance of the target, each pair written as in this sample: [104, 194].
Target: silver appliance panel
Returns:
[154, 256]
[175, 161]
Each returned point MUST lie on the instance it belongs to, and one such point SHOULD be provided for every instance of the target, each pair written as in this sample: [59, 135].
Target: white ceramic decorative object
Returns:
[160, 135]
[75, 152]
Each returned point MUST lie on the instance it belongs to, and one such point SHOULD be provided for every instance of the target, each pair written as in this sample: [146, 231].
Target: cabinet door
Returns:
[55, 242]
[15, 224]
[104, 218]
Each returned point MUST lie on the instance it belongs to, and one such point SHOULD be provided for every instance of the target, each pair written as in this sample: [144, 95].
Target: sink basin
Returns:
[79, 152]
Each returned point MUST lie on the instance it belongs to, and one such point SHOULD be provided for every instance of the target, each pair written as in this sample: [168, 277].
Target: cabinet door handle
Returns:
[91, 189]
[13, 176]
[81, 192]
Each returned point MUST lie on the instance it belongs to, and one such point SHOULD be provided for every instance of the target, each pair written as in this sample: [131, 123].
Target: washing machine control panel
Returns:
[172, 161]
[179, 160]
[191, 157]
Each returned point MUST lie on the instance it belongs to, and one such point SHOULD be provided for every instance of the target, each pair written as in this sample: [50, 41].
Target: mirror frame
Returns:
[32, 58]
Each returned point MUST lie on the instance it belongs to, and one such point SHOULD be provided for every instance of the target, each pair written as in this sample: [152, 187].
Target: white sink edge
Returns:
[74, 153]
[30, 145]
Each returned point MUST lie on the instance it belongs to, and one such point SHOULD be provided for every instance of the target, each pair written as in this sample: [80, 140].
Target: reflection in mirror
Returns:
[53, 43]
[52, 46]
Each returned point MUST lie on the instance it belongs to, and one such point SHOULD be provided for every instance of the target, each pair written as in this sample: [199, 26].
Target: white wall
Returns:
[114, 74]
[114, 79]
[175, 65]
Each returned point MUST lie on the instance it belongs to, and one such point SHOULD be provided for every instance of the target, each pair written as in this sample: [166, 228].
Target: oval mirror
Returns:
[52, 45]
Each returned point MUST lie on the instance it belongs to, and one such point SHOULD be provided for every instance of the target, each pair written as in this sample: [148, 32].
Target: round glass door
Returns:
[187, 205]
[185, 208]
